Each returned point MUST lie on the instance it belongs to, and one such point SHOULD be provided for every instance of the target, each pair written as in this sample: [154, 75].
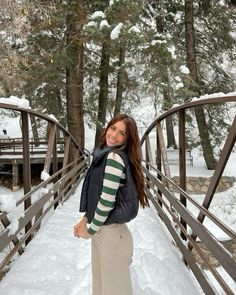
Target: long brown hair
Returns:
[132, 145]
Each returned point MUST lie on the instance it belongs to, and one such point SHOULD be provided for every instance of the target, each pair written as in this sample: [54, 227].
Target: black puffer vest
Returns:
[127, 203]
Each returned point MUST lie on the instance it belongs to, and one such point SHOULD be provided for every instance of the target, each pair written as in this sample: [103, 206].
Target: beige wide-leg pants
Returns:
[112, 251]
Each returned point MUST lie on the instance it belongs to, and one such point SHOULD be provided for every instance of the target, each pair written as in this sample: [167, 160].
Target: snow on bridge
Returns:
[57, 263]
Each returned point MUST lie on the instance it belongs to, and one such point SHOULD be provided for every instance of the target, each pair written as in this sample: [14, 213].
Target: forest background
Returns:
[85, 61]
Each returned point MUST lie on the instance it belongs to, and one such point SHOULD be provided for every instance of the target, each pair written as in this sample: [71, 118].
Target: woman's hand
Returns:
[80, 229]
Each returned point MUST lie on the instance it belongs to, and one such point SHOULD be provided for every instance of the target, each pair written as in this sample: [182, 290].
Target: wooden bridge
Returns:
[168, 197]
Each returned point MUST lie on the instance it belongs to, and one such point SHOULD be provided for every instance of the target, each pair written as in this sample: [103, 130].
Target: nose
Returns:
[114, 134]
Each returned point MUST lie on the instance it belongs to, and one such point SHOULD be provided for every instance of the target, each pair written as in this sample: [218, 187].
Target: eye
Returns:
[122, 133]
[113, 127]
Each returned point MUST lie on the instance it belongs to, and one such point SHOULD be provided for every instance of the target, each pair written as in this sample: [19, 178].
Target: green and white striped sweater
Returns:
[114, 177]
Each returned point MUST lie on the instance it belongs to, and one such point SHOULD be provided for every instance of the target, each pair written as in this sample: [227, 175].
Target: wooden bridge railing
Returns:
[43, 199]
[171, 199]
[58, 183]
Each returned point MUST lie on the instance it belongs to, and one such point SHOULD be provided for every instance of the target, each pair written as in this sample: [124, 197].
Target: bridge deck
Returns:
[34, 159]
[56, 263]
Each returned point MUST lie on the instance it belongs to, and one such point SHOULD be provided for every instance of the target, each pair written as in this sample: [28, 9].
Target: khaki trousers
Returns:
[112, 251]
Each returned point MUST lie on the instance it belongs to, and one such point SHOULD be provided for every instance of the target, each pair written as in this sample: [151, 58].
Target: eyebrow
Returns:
[119, 129]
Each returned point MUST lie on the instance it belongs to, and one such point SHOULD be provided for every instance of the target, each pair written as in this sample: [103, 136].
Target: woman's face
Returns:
[116, 134]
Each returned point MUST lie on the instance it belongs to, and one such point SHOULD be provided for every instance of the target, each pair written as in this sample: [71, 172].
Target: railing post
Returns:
[15, 175]
[55, 165]
[49, 153]
[26, 165]
[158, 162]
[149, 150]
[67, 142]
[182, 164]
[147, 153]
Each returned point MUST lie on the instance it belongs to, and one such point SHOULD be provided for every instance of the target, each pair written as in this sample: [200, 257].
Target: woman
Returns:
[110, 197]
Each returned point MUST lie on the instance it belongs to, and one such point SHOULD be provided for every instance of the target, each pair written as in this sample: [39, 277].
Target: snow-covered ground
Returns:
[57, 263]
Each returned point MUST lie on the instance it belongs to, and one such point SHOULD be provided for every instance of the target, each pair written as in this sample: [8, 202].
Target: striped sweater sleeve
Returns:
[113, 177]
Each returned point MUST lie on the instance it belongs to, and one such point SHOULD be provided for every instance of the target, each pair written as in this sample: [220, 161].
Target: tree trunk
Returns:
[170, 134]
[103, 94]
[167, 104]
[169, 124]
[232, 2]
[194, 86]
[33, 121]
[205, 5]
[120, 80]
[74, 74]
[34, 128]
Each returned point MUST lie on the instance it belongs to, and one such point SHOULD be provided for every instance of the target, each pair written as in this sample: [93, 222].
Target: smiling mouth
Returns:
[111, 140]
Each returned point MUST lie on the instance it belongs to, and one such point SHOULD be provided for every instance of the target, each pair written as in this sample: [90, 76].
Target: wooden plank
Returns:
[5, 221]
